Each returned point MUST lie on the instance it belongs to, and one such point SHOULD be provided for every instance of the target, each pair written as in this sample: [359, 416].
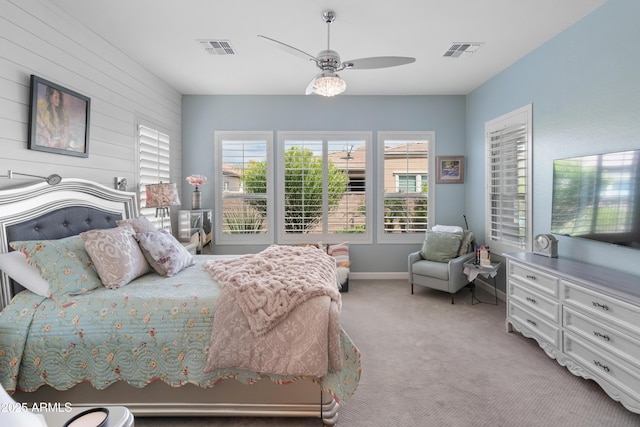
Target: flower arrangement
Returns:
[196, 180]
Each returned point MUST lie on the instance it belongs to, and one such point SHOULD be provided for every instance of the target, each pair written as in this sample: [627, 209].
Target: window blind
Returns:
[244, 174]
[154, 165]
[405, 186]
[509, 184]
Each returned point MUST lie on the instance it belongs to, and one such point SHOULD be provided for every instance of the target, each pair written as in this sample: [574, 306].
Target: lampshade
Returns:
[329, 84]
[161, 195]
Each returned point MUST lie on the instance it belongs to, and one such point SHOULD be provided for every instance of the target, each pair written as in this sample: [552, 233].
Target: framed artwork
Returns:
[58, 119]
[450, 169]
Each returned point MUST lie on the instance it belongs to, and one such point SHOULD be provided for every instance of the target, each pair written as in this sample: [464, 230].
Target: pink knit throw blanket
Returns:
[270, 284]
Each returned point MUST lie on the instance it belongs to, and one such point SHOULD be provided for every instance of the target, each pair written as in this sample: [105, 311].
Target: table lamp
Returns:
[161, 196]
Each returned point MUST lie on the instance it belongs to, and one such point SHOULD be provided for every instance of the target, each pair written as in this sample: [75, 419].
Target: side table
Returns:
[473, 270]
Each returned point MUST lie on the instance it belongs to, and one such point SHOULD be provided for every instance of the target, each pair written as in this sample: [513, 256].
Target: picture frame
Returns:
[450, 169]
[58, 119]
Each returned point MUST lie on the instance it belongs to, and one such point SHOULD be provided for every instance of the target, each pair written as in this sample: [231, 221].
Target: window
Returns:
[154, 166]
[508, 181]
[244, 195]
[404, 185]
[323, 186]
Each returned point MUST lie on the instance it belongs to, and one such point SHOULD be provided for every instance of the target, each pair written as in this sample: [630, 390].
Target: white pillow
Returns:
[447, 228]
[16, 266]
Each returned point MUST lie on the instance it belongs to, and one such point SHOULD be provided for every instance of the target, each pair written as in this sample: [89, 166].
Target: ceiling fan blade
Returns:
[290, 49]
[310, 87]
[377, 62]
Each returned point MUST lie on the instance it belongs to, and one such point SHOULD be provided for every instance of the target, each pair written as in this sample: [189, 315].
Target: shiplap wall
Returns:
[38, 38]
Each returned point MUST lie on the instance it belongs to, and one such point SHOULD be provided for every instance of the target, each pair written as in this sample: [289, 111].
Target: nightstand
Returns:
[195, 226]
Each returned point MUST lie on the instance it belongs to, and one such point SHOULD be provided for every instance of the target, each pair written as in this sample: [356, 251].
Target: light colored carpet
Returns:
[427, 362]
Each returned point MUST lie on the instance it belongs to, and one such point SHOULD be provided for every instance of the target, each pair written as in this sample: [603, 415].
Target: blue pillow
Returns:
[64, 263]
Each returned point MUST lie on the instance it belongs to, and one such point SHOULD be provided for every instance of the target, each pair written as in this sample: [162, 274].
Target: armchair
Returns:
[439, 265]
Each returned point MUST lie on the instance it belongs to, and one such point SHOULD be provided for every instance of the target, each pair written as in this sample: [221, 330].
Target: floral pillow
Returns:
[164, 253]
[64, 263]
[116, 255]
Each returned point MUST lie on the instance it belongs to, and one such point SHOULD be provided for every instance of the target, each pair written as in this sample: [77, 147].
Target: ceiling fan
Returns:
[327, 82]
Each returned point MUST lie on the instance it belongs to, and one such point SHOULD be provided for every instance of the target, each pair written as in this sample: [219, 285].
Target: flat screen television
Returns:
[597, 197]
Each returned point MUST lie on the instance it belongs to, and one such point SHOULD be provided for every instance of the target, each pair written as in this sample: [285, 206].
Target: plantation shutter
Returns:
[405, 186]
[154, 163]
[245, 173]
[323, 186]
[509, 188]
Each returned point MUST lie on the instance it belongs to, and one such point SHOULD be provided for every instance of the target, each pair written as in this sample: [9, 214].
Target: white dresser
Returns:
[586, 317]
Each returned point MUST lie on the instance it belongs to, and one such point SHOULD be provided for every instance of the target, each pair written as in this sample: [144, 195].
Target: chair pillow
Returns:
[440, 246]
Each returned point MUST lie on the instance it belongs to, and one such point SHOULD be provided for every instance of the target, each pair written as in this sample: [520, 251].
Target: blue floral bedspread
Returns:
[153, 329]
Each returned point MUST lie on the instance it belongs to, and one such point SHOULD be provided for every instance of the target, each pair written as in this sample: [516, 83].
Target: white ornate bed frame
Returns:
[302, 398]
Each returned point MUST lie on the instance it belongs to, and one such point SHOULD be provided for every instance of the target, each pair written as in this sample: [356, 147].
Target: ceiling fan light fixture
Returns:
[329, 85]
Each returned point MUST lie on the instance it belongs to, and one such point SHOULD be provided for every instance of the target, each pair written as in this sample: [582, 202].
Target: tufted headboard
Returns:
[41, 211]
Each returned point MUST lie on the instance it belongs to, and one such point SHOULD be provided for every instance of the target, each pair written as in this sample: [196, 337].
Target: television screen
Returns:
[598, 197]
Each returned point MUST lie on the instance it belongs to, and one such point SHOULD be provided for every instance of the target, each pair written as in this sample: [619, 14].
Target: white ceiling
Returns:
[161, 35]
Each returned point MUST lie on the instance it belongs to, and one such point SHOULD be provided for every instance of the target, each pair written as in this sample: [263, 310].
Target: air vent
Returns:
[217, 47]
[462, 49]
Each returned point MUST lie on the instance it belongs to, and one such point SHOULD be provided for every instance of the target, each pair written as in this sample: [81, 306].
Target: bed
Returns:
[166, 320]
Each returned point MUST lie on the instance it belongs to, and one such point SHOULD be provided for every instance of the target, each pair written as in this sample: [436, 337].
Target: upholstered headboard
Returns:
[42, 211]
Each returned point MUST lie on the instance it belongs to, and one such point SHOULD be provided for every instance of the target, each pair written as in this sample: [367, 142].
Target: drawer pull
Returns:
[604, 307]
[532, 322]
[531, 276]
[600, 365]
[531, 300]
[603, 336]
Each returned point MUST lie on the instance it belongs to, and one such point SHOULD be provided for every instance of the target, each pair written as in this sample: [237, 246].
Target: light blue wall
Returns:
[202, 115]
[585, 89]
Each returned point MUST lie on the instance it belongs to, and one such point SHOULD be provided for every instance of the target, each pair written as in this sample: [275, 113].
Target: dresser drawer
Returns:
[539, 327]
[603, 365]
[610, 310]
[545, 283]
[613, 341]
[534, 301]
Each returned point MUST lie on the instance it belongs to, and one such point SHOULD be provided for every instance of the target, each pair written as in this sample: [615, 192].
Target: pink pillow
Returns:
[341, 253]
[115, 254]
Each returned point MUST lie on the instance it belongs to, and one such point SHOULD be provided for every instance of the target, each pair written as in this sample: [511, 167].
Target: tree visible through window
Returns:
[243, 174]
[323, 185]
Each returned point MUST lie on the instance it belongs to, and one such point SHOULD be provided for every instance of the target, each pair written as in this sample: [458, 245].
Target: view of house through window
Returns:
[318, 186]
[323, 186]
[405, 165]
[245, 178]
